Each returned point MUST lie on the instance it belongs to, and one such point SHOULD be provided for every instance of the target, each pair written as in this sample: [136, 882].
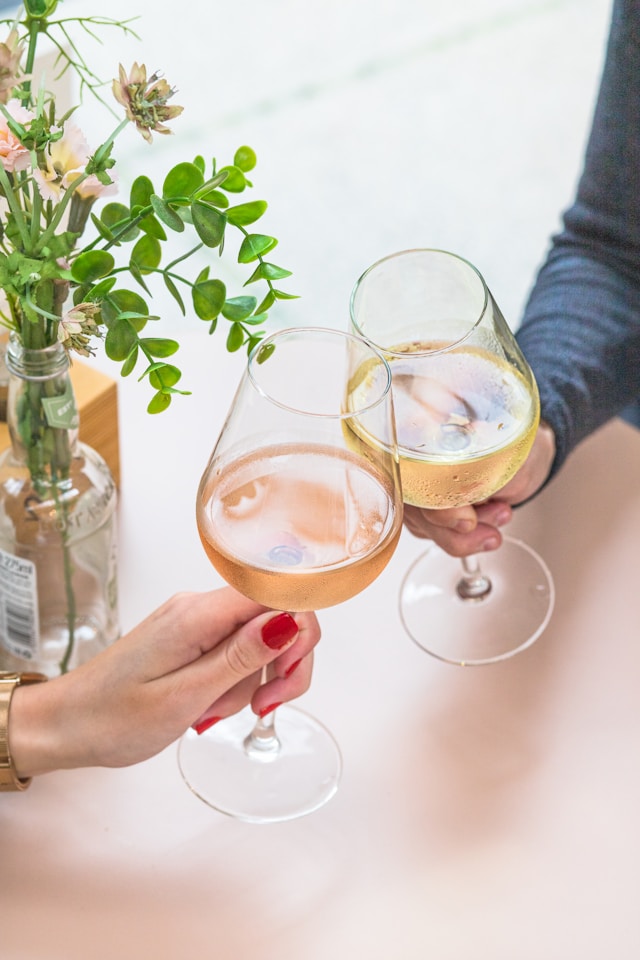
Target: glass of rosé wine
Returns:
[297, 512]
[467, 410]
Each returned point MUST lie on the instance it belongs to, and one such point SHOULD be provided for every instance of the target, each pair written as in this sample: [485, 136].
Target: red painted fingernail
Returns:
[270, 709]
[279, 630]
[201, 725]
[293, 666]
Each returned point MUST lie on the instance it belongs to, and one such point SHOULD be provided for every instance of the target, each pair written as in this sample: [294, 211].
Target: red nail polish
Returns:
[293, 666]
[201, 725]
[279, 630]
[270, 709]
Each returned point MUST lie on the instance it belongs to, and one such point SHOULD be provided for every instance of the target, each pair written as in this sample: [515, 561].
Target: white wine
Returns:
[465, 420]
[298, 526]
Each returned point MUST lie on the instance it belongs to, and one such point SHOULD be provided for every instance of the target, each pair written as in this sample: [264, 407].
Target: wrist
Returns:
[36, 738]
[14, 774]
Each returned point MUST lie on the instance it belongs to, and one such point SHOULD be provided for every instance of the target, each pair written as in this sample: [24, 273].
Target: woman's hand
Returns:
[197, 658]
[473, 529]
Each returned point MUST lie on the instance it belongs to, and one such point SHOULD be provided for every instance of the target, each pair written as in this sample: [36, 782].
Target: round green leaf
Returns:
[146, 254]
[159, 346]
[153, 227]
[265, 352]
[245, 158]
[183, 180]
[92, 266]
[208, 298]
[239, 308]
[159, 402]
[141, 191]
[164, 375]
[121, 302]
[235, 338]
[234, 180]
[209, 223]
[101, 289]
[120, 340]
[254, 246]
[167, 214]
[246, 213]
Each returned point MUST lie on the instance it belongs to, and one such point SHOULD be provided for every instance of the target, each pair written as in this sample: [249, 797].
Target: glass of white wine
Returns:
[467, 411]
[295, 511]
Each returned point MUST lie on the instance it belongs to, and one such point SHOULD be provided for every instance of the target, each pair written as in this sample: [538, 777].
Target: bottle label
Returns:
[61, 411]
[19, 626]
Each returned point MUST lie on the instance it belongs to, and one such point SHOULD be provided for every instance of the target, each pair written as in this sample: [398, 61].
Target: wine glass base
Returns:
[471, 632]
[296, 780]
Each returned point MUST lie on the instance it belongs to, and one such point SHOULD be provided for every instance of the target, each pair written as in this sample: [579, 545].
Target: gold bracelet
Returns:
[9, 780]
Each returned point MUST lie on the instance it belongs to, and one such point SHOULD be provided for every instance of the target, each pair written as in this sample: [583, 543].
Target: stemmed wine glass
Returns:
[467, 411]
[298, 513]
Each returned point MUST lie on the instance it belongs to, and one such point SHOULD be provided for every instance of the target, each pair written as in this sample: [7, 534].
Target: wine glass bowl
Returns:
[297, 513]
[467, 410]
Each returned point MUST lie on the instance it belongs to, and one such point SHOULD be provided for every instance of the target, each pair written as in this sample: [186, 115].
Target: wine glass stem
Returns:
[263, 743]
[473, 585]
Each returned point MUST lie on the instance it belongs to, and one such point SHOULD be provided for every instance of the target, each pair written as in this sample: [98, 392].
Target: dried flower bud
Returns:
[145, 100]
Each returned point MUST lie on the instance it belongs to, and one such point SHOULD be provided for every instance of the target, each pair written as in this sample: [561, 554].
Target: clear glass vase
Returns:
[58, 534]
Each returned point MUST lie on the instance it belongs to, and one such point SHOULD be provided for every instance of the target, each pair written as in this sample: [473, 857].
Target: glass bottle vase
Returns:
[58, 533]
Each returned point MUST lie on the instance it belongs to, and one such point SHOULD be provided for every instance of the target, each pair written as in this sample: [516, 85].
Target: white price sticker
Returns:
[19, 627]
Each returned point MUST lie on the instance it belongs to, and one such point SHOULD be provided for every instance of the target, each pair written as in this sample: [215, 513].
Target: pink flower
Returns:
[13, 155]
[65, 161]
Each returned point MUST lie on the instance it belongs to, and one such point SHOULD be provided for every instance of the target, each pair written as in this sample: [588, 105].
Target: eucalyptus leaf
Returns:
[175, 293]
[159, 346]
[208, 298]
[102, 229]
[100, 290]
[92, 265]
[146, 254]
[165, 213]
[246, 213]
[141, 191]
[121, 338]
[235, 338]
[245, 158]
[239, 308]
[234, 180]
[129, 364]
[268, 302]
[153, 227]
[163, 375]
[255, 245]
[268, 271]
[136, 273]
[182, 181]
[159, 402]
[209, 223]
[265, 352]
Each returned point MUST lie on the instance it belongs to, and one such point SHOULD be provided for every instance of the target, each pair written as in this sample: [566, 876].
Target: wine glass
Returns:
[298, 513]
[467, 411]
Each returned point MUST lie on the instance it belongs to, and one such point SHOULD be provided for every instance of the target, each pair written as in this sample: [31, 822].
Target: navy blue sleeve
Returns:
[581, 327]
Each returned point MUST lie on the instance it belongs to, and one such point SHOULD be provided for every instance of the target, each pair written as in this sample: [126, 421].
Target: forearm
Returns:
[581, 328]
[581, 336]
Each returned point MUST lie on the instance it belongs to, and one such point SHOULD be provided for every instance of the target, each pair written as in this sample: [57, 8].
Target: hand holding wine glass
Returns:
[298, 513]
[462, 531]
[467, 413]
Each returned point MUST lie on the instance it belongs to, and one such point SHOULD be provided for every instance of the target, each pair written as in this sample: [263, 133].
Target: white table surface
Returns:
[488, 812]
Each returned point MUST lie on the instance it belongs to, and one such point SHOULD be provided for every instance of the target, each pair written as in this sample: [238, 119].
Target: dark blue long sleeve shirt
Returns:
[581, 326]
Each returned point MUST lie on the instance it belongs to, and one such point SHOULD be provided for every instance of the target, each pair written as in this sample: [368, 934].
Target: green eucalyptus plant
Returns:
[74, 271]
[61, 285]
